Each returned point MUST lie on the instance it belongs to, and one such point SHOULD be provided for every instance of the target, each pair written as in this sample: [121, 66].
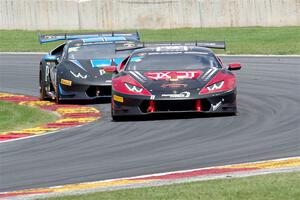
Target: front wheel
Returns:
[43, 94]
[114, 117]
[57, 94]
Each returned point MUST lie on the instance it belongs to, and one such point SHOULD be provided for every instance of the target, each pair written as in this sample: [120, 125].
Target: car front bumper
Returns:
[125, 105]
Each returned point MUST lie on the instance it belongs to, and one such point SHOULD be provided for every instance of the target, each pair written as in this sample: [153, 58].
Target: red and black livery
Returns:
[182, 77]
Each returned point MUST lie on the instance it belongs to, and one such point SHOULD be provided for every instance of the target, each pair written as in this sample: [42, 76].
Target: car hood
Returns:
[94, 69]
[175, 81]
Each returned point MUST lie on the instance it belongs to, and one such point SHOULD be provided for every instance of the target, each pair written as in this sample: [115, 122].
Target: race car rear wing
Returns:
[206, 44]
[73, 36]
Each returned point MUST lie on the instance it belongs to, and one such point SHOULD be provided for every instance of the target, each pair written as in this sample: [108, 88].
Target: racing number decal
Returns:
[170, 75]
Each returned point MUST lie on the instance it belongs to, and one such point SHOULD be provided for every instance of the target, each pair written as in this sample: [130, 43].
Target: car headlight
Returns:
[78, 75]
[215, 86]
[133, 88]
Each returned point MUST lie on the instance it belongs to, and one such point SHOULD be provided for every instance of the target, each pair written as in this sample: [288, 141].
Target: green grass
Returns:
[15, 117]
[247, 40]
[284, 186]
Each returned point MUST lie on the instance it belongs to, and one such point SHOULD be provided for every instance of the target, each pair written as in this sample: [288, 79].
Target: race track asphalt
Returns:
[267, 127]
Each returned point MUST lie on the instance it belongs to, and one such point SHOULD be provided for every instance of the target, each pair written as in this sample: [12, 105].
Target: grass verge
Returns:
[268, 187]
[247, 40]
[15, 117]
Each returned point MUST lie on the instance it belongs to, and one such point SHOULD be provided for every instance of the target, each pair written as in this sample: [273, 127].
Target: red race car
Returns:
[183, 77]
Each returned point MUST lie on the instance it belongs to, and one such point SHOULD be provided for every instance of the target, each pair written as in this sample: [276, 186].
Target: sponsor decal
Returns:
[217, 105]
[101, 63]
[49, 37]
[73, 49]
[165, 53]
[158, 75]
[215, 86]
[173, 75]
[103, 39]
[77, 45]
[118, 98]
[129, 45]
[66, 82]
[173, 85]
[152, 97]
[195, 52]
[172, 48]
[133, 88]
[102, 72]
[78, 75]
[114, 38]
[180, 95]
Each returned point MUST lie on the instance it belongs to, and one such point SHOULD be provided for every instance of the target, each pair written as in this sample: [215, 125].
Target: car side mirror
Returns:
[51, 58]
[111, 69]
[234, 66]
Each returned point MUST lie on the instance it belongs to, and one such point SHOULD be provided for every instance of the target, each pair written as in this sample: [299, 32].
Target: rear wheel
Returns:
[42, 92]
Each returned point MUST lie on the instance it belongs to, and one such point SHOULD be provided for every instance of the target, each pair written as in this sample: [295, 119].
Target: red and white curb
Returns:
[70, 116]
[253, 168]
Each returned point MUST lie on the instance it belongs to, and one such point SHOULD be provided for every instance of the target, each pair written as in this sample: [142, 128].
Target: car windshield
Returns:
[96, 51]
[172, 61]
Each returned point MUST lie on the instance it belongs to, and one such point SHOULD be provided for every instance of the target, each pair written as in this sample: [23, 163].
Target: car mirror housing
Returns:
[111, 69]
[51, 58]
[234, 66]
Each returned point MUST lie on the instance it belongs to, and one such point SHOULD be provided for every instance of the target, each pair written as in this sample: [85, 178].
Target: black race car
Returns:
[75, 69]
[174, 78]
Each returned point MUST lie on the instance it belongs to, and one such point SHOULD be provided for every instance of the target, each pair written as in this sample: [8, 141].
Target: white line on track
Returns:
[236, 174]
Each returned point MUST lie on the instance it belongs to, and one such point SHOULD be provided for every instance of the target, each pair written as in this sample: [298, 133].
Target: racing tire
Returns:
[234, 113]
[43, 95]
[57, 95]
[114, 117]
